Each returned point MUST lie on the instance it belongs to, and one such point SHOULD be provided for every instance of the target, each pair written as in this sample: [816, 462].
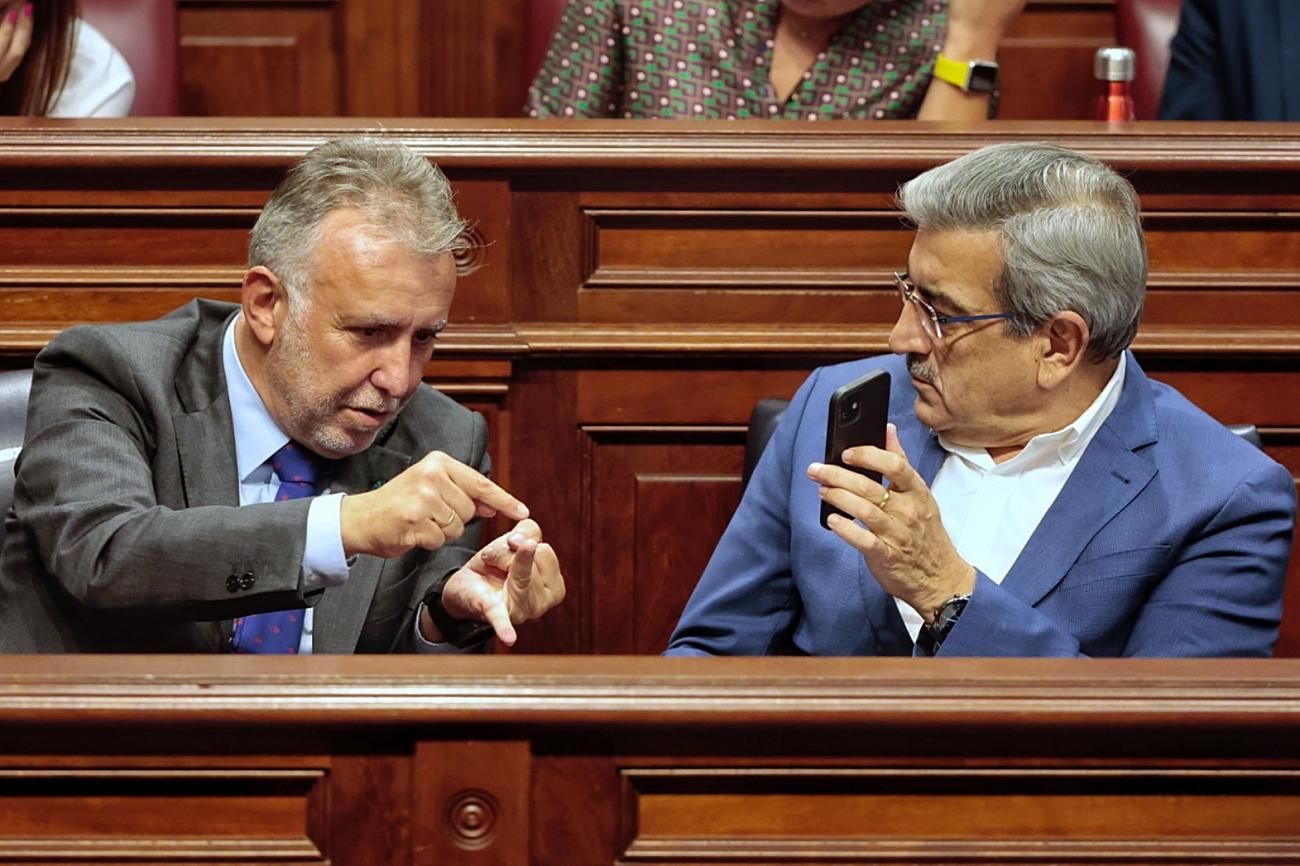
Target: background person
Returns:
[1042, 496]
[54, 64]
[1233, 60]
[795, 59]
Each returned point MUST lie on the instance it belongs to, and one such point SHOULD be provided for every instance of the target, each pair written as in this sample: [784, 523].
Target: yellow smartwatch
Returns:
[972, 76]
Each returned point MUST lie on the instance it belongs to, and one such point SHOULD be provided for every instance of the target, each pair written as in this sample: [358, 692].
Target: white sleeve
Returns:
[100, 83]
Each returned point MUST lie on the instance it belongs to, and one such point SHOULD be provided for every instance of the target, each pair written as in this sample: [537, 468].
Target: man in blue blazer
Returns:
[1234, 60]
[1040, 495]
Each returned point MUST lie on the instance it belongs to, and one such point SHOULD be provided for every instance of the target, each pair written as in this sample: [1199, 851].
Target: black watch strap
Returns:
[946, 617]
[460, 633]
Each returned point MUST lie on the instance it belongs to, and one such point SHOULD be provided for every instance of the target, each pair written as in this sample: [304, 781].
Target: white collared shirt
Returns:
[991, 509]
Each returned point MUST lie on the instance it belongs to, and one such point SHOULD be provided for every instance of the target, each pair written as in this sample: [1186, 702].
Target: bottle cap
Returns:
[1114, 64]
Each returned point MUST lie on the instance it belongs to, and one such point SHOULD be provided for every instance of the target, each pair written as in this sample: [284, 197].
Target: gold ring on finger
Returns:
[885, 501]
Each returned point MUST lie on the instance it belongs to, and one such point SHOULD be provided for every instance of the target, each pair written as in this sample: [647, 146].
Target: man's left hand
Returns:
[513, 579]
[901, 534]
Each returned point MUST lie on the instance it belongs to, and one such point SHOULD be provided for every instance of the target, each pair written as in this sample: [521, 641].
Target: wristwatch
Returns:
[946, 617]
[972, 76]
[460, 633]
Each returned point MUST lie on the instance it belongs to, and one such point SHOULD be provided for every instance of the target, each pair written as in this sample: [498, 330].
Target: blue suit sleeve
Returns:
[747, 601]
[1222, 597]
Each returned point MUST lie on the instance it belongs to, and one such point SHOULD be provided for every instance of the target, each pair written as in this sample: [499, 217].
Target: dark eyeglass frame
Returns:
[931, 321]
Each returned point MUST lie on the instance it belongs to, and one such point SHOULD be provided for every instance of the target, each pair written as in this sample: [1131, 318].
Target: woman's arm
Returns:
[975, 30]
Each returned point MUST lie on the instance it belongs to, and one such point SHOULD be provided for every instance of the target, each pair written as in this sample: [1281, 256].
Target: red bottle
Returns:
[1113, 69]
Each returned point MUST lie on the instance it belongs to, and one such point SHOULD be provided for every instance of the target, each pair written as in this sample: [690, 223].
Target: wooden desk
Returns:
[642, 285]
[567, 761]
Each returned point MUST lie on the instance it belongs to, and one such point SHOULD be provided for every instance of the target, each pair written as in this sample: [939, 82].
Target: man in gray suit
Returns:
[279, 463]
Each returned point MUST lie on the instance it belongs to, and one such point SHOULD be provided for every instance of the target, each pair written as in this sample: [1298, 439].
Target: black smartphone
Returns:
[857, 416]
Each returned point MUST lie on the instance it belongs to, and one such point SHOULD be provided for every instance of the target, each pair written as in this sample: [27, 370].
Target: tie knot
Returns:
[297, 468]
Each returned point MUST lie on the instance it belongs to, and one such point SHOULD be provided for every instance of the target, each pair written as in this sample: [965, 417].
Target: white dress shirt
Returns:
[991, 509]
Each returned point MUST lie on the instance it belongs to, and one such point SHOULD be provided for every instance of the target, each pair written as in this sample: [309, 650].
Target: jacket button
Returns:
[247, 580]
[232, 583]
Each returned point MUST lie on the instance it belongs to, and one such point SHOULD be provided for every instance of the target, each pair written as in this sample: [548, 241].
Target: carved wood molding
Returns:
[566, 338]
[90, 690]
[573, 339]
[679, 145]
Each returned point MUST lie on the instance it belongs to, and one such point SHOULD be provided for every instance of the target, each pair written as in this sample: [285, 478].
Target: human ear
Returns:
[264, 303]
[1064, 341]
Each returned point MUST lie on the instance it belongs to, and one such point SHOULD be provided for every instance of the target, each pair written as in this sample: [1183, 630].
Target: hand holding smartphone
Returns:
[857, 416]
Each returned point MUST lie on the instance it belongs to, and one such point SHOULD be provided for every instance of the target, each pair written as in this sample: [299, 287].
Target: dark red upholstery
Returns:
[540, 23]
[1147, 26]
[146, 33]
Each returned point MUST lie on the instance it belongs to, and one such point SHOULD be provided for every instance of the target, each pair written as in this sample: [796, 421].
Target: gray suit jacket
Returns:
[126, 528]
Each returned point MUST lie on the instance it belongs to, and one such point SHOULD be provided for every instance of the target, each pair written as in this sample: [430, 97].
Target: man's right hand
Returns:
[426, 506]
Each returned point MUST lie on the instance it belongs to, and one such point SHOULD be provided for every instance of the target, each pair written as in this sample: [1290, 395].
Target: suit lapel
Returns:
[205, 434]
[205, 446]
[341, 613]
[1109, 474]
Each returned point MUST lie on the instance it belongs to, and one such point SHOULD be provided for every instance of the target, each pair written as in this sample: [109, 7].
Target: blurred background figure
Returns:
[805, 59]
[1234, 60]
[54, 64]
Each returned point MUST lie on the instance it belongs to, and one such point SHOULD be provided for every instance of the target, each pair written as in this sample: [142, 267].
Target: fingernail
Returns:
[814, 468]
[27, 10]
[11, 17]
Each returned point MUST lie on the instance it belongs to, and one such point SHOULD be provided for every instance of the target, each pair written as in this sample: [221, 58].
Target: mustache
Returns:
[374, 403]
[922, 371]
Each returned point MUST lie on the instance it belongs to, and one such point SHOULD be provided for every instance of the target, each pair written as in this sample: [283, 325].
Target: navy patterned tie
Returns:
[280, 631]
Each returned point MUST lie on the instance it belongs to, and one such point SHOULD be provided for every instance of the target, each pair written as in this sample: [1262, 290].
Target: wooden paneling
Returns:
[640, 286]
[479, 789]
[382, 53]
[562, 761]
[1046, 59]
[678, 489]
[866, 814]
[260, 59]
[478, 67]
[98, 812]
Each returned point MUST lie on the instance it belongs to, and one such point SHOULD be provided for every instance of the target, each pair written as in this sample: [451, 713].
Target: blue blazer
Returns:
[1170, 538]
[1234, 60]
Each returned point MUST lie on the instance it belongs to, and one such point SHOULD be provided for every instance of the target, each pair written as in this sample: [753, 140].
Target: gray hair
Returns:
[399, 194]
[1071, 234]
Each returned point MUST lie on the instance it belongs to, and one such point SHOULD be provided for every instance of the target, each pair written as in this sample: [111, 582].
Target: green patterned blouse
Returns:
[710, 59]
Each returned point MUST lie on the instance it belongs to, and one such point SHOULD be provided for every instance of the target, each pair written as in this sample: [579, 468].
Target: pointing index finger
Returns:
[486, 494]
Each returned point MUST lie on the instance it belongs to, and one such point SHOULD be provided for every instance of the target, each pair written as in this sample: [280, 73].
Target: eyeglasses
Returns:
[931, 321]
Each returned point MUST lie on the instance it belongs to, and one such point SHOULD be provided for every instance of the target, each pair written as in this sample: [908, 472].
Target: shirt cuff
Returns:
[323, 561]
[426, 647]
